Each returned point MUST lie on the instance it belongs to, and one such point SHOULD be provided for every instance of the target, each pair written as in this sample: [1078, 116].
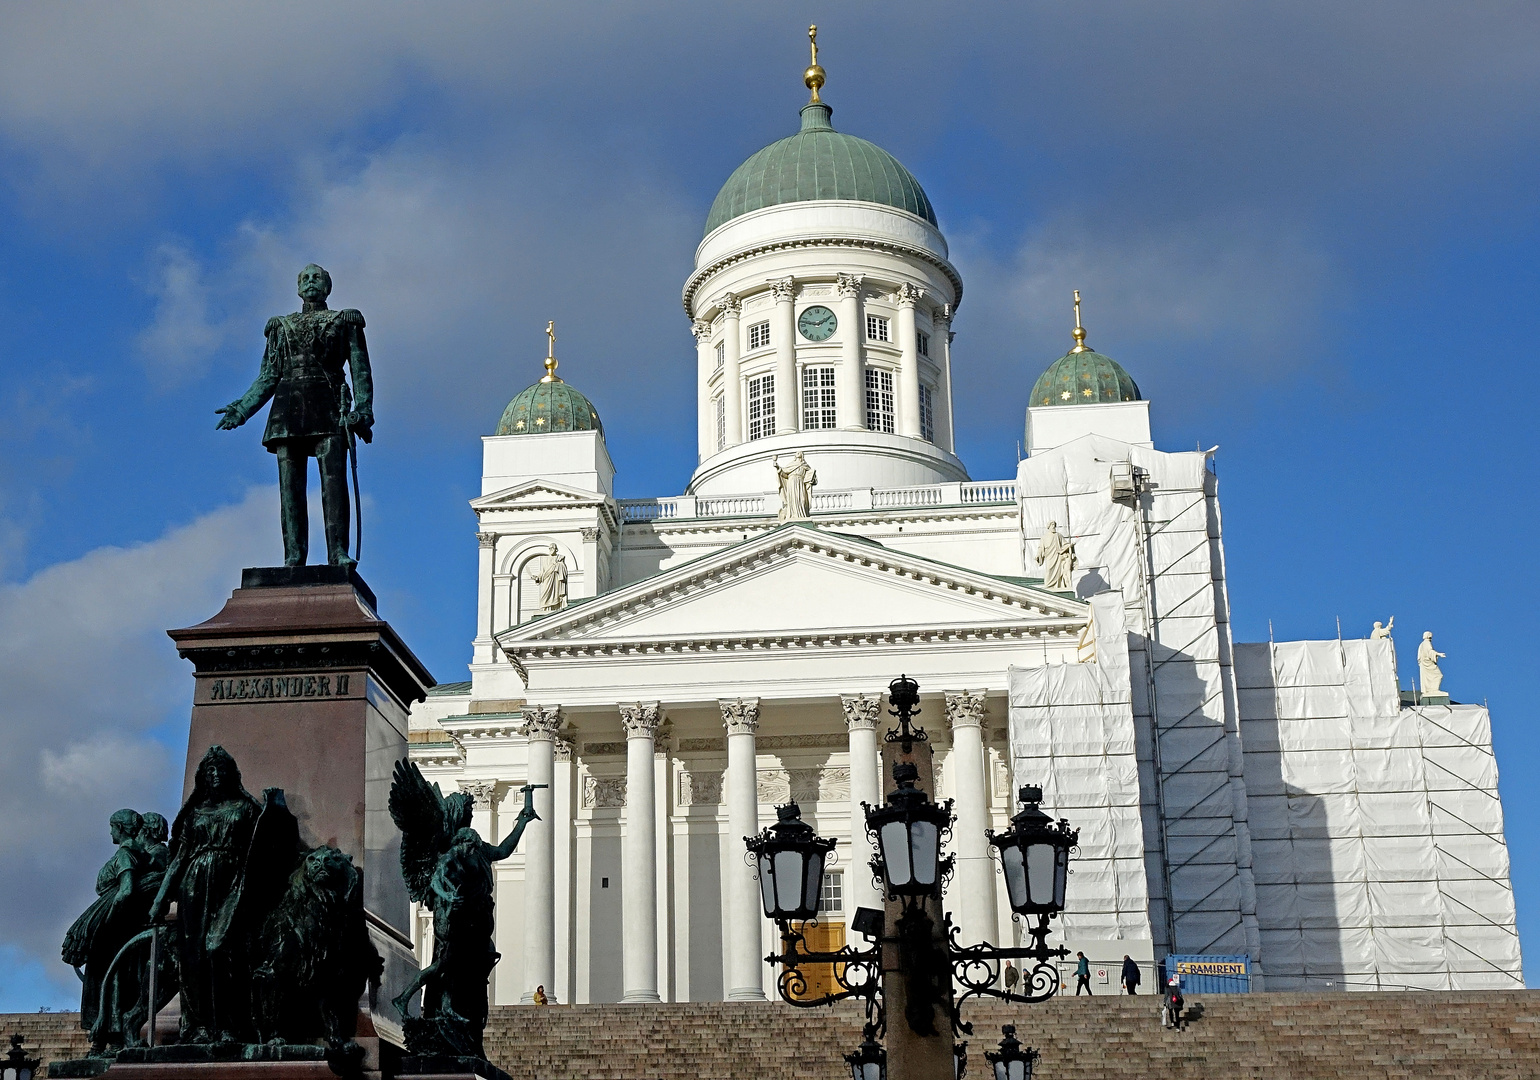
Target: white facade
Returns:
[711, 662]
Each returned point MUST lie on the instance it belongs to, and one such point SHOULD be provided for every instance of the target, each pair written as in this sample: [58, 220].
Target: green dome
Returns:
[818, 163]
[549, 406]
[1083, 378]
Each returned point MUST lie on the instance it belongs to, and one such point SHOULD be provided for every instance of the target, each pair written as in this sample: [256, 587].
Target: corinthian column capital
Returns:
[908, 294]
[849, 284]
[783, 289]
[740, 717]
[701, 329]
[541, 722]
[965, 708]
[486, 540]
[730, 304]
[641, 719]
[862, 711]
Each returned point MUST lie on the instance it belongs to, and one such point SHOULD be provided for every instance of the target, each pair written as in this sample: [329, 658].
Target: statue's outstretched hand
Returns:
[231, 417]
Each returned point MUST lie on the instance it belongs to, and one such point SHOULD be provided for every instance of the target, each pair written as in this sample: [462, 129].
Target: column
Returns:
[638, 855]
[862, 711]
[908, 390]
[705, 367]
[541, 723]
[850, 382]
[744, 910]
[941, 323]
[662, 752]
[975, 871]
[483, 647]
[784, 330]
[732, 382]
[563, 803]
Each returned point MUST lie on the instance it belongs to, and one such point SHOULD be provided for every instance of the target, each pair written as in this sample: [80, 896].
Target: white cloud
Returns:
[183, 336]
[91, 686]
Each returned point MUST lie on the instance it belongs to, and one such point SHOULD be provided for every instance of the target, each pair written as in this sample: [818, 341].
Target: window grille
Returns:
[761, 406]
[831, 898]
[879, 400]
[817, 398]
[759, 335]
[721, 403]
[927, 415]
[877, 328]
[721, 353]
[924, 340]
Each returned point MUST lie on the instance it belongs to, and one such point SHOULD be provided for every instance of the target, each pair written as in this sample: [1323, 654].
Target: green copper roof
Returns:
[1083, 378]
[549, 406]
[818, 163]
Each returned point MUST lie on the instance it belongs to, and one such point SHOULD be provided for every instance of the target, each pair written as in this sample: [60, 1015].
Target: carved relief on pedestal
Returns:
[861, 710]
[740, 717]
[700, 788]
[604, 791]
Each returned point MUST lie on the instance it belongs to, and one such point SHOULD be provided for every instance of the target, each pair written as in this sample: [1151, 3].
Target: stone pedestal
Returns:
[300, 679]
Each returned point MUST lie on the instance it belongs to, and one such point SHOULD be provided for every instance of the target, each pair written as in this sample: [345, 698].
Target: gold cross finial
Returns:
[550, 353]
[813, 77]
[1079, 332]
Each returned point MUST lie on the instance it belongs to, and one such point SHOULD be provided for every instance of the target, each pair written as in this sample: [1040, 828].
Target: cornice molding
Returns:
[692, 286]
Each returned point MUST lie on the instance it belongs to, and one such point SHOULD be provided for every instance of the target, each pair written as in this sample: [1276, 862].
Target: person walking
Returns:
[1130, 975]
[1082, 974]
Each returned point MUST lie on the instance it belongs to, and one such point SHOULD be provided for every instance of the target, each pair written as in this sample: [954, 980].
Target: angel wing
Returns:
[417, 808]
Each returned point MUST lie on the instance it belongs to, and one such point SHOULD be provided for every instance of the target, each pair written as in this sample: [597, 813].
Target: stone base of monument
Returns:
[444, 1067]
[308, 688]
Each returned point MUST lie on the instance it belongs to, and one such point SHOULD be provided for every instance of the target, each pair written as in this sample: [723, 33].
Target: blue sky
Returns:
[1309, 231]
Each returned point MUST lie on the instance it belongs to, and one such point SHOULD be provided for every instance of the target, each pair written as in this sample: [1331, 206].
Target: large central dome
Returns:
[818, 163]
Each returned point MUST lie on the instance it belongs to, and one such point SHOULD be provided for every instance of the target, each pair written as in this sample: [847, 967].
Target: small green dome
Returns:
[1083, 378]
[818, 163]
[546, 407]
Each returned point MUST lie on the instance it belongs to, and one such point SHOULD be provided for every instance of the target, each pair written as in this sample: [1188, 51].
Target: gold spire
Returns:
[1079, 331]
[813, 76]
[550, 353]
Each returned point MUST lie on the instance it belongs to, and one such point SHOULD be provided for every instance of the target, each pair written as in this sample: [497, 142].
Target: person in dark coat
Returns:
[1130, 974]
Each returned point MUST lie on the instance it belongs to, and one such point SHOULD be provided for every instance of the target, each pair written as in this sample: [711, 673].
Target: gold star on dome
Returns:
[1064, 396]
[540, 421]
[519, 426]
[1087, 391]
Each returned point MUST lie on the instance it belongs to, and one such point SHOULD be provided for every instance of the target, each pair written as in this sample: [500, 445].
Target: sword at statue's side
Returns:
[358, 502]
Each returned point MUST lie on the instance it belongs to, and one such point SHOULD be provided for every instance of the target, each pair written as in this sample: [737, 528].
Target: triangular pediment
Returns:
[536, 493]
[800, 580]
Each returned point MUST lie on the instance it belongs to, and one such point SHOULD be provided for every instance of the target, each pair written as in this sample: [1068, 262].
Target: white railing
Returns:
[824, 502]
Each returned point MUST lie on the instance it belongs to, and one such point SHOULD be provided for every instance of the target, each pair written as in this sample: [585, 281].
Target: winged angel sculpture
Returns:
[448, 869]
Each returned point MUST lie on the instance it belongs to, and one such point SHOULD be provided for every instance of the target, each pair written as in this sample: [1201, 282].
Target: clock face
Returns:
[817, 323]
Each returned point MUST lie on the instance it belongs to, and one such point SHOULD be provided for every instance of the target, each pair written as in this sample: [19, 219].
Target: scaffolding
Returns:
[1376, 829]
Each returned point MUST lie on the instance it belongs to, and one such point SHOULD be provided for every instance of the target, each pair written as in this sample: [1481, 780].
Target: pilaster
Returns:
[908, 419]
[850, 382]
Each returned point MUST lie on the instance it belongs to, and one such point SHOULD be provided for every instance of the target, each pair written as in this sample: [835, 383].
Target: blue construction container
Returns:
[1210, 974]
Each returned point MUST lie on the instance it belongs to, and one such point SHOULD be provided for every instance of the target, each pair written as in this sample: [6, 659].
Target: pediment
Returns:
[800, 581]
[536, 494]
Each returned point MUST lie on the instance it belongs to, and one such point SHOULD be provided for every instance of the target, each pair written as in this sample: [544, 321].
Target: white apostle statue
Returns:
[1056, 555]
[1427, 665]
[550, 573]
[1381, 632]
[796, 483]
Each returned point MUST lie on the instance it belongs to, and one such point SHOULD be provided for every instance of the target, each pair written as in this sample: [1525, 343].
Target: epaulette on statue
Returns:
[272, 326]
[353, 317]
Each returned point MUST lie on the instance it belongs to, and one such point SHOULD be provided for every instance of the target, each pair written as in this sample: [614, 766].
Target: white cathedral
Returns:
[673, 668]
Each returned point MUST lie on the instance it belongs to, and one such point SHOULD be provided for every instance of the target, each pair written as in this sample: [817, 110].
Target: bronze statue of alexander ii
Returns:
[315, 412]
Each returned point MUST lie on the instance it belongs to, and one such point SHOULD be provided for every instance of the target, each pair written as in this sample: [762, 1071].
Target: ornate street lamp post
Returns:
[17, 1065]
[908, 831]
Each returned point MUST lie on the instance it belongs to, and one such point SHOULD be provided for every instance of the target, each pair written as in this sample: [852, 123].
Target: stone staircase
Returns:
[1489, 1035]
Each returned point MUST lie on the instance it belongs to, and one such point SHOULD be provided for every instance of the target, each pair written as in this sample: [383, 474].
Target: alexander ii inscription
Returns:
[280, 687]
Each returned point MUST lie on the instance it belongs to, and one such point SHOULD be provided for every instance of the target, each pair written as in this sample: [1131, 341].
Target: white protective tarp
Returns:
[1376, 830]
[1072, 734]
[1166, 557]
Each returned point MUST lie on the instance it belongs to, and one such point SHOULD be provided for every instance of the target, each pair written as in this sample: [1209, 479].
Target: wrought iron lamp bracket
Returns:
[977, 969]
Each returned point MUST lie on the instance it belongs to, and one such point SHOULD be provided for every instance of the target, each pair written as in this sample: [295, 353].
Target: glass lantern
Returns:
[908, 830]
[870, 1062]
[791, 858]
[1012, 1061]
[1034, 852]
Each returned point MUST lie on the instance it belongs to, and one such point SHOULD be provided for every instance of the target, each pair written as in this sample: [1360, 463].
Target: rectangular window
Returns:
[761, 406]
[879, 400]
[877, 328]
[831, 898]
[817, 398]
[721, 404]
[927, 415]
[924, 339]
[759, 336]
[721, 353]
